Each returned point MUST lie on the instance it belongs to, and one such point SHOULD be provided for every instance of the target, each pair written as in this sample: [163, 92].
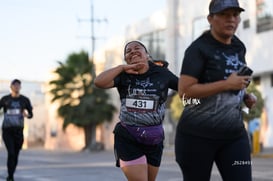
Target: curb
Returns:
[263, 155]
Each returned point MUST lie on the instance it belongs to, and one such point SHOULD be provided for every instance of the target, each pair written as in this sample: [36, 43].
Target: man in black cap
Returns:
[213, 131]
[16, 107]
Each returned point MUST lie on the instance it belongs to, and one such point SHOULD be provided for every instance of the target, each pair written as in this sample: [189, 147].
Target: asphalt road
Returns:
[44, 165]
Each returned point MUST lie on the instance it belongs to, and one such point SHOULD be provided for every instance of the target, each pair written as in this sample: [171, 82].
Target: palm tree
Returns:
[81, 103]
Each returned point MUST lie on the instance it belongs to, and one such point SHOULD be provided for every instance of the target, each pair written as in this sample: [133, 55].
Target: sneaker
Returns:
[9, 179]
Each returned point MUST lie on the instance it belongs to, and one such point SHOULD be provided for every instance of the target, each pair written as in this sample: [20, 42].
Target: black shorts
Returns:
[127, 148]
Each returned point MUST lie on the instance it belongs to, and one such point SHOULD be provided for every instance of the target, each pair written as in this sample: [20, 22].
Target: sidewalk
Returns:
[265, 153]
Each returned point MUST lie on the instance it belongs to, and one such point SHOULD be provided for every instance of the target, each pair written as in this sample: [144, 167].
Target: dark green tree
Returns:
[176, 107]
[80, 102]
[256, 111]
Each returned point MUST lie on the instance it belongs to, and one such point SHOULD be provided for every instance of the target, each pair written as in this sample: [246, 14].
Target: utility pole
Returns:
[92, 28]
[92, 21]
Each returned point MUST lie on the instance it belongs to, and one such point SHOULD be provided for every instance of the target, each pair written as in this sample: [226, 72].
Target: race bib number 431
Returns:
[139, 104]
[13, 111]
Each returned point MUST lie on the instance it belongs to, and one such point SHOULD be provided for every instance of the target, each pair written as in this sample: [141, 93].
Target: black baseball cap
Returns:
[14, 81]
[217, 6]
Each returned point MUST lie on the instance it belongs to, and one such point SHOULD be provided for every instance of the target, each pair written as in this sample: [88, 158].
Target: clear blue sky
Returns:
[35, 34]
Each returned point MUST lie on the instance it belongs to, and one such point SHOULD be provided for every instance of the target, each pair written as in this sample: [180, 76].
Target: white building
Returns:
[169, 32]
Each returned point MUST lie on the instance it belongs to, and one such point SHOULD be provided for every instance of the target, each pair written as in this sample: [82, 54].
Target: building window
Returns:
[246, 24]
[155, 44]
[256, 80]
[264, 15]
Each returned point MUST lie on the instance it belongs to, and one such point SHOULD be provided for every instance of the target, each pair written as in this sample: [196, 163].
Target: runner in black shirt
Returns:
[143, 89]
[16, 107]
[211, 127]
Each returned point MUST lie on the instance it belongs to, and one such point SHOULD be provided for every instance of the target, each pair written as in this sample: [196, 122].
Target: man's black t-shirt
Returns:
[220, 115]
[13, 110]
[210, 61]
